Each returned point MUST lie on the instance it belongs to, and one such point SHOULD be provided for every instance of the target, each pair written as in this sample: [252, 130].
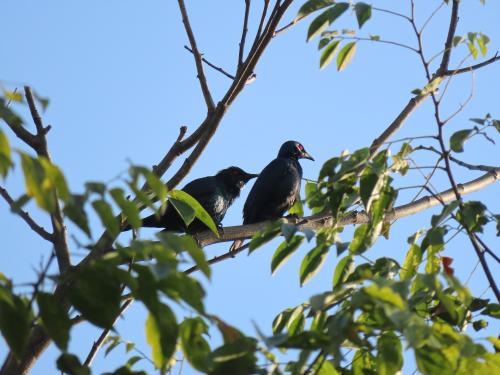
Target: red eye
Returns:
[300, 147]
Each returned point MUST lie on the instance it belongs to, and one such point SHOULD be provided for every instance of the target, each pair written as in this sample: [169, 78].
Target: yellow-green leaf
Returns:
[345, 55]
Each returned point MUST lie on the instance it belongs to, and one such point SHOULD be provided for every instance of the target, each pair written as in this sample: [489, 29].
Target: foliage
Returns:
[361, 324]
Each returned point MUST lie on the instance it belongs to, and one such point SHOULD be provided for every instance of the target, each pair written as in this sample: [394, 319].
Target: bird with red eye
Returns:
[277, 187]
[214, 193]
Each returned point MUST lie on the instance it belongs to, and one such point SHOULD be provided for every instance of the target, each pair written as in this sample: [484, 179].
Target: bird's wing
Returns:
[202, 189]
[274, 191]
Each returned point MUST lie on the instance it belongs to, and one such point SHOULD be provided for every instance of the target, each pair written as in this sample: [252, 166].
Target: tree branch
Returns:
[59, 229]
[100, 341]
[197, 57]
[471, 68]
[215, 67]
[322, 220]
[449, 39]
[25, 216]
[243, 35]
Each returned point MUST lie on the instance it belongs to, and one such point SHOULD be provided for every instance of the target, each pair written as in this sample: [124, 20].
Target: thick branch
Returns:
[25, 216]
[197, 57]
[322, 220]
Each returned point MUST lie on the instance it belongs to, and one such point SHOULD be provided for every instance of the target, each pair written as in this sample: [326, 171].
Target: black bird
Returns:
[277, 187]
[214, 193]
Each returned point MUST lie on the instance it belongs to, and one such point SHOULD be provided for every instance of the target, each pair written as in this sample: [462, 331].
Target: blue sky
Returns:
[121, 84]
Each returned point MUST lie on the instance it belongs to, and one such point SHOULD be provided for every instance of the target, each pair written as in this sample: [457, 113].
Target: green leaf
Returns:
[9, 116]
[457, 40]
[473, 216]
[5, 157]
[445, 212]
[55, 318]
[325, 19]
[482, 42]
[75, 211]
[196, 349]
[472, 49]
[312, 263]
[323, 42]
[345, 55]
[15, 321]
[310, 7]
[161, 334]
[13, 96]
[37, 184]
[389, 354]
[358, 243]
[458, 139]
[342, 271]
[328, 54]
[363, 13]
[284, 251]
[177, 286]
[128, 207]
[479, 324]
[297, 208]
[70, 364]
[264, 236]
[493, 310]
[412, 261]
[96, 293]
[198, 209]
[385, 294]
[106, 216]
[186, 243]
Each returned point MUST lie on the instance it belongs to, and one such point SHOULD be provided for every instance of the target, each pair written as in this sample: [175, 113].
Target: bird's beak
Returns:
[305, 155]
[249, 176]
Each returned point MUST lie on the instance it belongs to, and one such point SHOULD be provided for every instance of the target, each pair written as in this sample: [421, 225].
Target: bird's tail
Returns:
[236, 245]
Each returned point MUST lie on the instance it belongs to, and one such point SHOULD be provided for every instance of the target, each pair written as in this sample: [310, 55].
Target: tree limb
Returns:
[59, 229]
[25, 216]
[449, 39]
[243, 35]
[197, 57]
[322, 220]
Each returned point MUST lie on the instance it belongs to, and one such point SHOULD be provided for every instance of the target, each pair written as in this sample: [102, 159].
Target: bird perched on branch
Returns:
[277, 187]
[214, 193]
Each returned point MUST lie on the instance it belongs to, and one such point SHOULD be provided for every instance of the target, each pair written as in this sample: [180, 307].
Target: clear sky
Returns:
[121, 84]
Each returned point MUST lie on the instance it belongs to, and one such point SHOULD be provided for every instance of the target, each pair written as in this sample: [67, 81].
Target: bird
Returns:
[277, 187]
[214, 193]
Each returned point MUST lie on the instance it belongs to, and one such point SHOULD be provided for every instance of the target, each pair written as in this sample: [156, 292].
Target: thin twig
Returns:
[243, 35]
[213, 66]
[431, 16]
[100, 341]
[262, 19]
[486, 248]
[25, 216]
[471, 67]
[392, 12]
[358, 38]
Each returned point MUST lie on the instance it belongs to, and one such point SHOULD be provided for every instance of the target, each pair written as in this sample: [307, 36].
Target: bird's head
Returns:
[235, 176]
[294, 150]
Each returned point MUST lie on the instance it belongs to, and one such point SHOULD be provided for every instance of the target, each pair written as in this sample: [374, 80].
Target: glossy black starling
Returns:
[214, 193]
[277, 187]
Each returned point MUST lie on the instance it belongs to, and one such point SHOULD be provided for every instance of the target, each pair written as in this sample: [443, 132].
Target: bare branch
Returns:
[219, 69]
[243, 35]
[357, 38]
[449, 39]
[197, 57]
[100, 341]
[262, 19]
[25, 216]
[59, 229]
[471, 67]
